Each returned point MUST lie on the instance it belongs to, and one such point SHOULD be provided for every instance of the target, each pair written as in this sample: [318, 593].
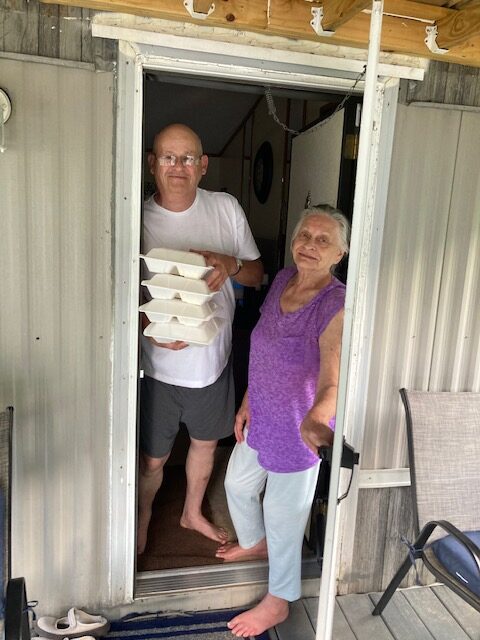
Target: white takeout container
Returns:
[167, 287]
[183, 263]
[174, 330]
[185, 312]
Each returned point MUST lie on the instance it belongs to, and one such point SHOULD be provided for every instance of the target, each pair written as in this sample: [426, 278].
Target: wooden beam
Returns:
[459, 27]
[337, 12]
[403, 28]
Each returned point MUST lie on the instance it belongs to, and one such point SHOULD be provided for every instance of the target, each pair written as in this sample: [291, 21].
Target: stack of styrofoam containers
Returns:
[181, 307]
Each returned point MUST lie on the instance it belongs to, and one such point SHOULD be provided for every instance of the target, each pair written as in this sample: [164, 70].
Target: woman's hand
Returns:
[315, 434]
[242, 419]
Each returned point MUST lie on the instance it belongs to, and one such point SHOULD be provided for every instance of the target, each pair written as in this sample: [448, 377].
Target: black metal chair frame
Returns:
[17, 625]
[418, 550]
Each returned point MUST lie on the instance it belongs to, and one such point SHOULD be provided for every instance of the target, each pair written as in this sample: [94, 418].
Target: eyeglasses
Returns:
[171, 160]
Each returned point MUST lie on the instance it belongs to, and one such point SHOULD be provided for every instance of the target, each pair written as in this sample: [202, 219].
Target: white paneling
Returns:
[413, 249]
[55, 339]
[456, 356]
[315, 169]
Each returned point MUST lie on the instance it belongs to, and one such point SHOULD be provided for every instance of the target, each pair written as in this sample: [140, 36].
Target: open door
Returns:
[174, 54]
[315, 170]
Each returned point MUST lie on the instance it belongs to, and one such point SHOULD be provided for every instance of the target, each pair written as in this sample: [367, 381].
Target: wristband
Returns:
[239, 266]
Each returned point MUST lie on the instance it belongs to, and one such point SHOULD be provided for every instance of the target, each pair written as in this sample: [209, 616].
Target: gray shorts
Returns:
[208, 413]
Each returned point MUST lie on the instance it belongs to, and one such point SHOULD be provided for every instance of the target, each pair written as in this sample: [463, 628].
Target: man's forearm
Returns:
[251, 273]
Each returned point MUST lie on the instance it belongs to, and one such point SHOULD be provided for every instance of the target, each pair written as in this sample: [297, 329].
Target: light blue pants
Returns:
[282, 519]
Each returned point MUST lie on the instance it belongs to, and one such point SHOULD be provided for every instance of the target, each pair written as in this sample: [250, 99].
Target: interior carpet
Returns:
[170, 546]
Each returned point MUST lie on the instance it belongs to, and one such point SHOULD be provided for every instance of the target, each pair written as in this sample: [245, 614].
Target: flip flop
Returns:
[75, 624]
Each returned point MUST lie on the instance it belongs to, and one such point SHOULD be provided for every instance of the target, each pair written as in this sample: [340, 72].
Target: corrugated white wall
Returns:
[56, 300]
[427, 325]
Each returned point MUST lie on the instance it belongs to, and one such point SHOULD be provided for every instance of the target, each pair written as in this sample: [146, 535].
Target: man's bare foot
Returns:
[269, 612]
[233, 552]
[206, 528]
[142, 530]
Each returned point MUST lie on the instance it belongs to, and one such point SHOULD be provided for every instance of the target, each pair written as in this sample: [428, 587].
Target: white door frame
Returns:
[253, 64]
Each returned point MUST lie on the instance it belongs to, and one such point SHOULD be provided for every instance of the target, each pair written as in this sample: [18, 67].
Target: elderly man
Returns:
[190, 384]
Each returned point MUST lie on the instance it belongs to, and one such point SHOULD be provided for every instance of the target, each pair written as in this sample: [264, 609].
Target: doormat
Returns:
[206, 625]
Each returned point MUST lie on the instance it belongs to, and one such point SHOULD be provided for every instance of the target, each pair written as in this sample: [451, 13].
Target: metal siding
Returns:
[413, 249]
[56, 184]
[456, 355]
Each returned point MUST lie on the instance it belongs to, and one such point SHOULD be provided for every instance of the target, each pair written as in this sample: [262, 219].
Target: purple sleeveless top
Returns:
[283, 374]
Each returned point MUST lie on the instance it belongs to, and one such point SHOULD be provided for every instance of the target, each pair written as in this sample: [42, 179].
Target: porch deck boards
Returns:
[420, 613]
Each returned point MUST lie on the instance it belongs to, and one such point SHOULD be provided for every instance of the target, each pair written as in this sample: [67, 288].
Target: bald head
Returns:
[175, 132]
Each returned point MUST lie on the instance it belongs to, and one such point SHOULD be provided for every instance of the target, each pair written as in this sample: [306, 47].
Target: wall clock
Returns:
[263, 172]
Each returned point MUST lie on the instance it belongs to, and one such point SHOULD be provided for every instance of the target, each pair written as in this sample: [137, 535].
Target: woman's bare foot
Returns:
[233, 552]
[269, 612]
[206, 528]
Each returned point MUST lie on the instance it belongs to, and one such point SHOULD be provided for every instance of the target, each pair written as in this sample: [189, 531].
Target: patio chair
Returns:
[17, 623]
[443, 430]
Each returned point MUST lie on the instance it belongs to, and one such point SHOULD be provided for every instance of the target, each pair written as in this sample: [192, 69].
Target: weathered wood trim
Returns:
[383, 478]
[6, 55]
[446, 84]
[384, 517]
[403, 26]
[235, 47]
[53, 31]
[20, 27]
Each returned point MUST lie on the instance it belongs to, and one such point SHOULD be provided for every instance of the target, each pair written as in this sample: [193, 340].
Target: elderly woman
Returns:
[288, 412]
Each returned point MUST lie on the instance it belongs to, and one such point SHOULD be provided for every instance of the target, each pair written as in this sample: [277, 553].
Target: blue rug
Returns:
[207, 625]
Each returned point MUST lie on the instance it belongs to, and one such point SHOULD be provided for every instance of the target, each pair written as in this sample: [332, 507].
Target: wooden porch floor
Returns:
[419, 613]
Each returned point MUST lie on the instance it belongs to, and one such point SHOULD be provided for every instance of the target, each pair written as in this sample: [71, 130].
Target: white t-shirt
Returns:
[214, 222]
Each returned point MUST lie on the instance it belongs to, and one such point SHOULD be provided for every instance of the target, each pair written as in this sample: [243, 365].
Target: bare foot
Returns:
[206, 528]
[233, 552]
[142, 530]
[269, 612]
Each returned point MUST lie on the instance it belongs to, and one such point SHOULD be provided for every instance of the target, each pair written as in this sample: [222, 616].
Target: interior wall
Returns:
[264, 217]
[232, 167]
[56, 283]
[234, 175]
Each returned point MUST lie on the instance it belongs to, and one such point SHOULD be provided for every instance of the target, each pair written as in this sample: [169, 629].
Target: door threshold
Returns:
[220, 576]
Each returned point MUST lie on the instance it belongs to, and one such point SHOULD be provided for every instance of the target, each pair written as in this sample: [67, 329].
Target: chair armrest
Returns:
[456, 533]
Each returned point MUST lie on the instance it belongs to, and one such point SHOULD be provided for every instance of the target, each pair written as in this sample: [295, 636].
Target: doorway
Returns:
[236, 123]
[248, 62]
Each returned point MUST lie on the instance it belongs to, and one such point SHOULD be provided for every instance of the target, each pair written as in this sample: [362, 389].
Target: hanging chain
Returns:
[272, 110]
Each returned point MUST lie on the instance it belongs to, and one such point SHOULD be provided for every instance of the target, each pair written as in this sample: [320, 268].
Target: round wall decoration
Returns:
[263, 171]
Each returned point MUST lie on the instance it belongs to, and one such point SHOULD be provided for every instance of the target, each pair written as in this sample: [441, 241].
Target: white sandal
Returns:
[75, 624]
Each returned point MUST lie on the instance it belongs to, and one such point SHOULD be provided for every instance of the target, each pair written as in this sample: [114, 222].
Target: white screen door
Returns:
[315, 170]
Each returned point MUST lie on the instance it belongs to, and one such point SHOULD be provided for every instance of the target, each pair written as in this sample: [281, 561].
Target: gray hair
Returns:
[330, 212]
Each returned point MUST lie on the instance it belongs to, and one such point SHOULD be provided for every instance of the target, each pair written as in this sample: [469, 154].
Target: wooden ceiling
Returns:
[457, 22]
